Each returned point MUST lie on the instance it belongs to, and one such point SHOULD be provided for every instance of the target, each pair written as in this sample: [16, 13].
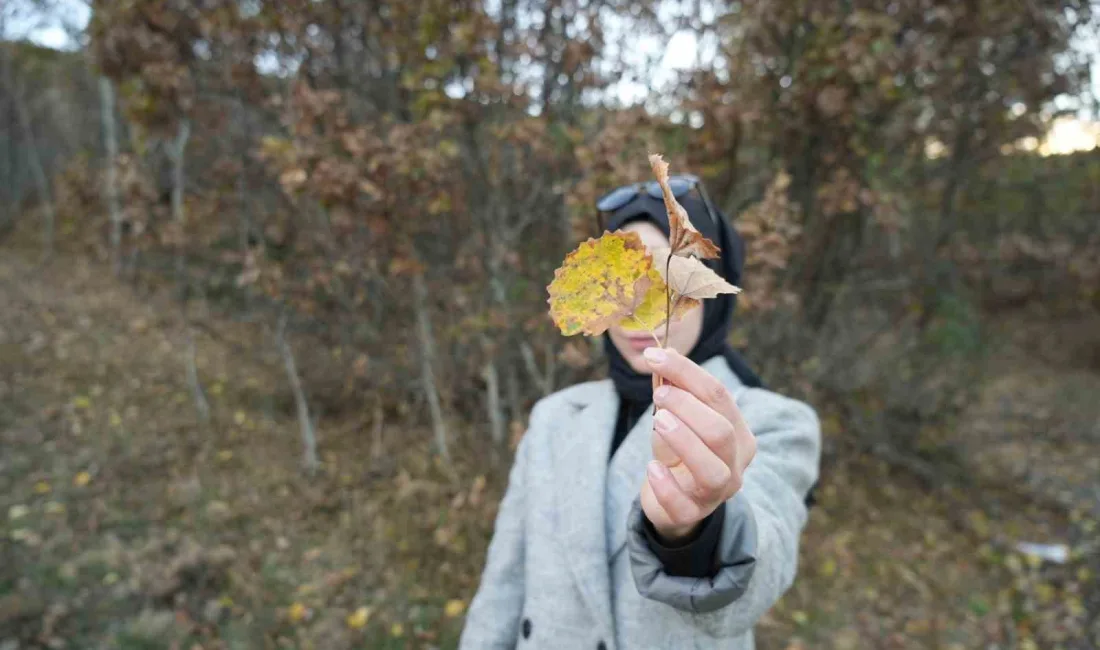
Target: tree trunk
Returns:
[305, 424]
[178, 179]
[193, 382]
[492, 403]
[110, 137]
[41, 182]
[427, 360]
[544, 381]
[12, 194]
[244, 207]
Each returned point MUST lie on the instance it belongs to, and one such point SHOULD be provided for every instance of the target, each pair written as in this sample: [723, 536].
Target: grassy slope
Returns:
[180, 533]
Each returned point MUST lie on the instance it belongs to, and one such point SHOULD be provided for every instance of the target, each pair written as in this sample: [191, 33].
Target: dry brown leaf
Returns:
[683, 238]
[688, 277]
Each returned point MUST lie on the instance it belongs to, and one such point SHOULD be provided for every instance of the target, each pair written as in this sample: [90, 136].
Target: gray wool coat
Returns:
[569, 566]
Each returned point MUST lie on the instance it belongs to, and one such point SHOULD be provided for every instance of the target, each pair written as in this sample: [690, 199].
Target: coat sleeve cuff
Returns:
[732, 565]
[693, 558]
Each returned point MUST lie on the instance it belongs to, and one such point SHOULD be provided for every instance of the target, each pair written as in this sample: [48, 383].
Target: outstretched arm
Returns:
[756, 460]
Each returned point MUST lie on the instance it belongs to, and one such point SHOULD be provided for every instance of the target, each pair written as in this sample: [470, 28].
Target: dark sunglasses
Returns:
[680, 186]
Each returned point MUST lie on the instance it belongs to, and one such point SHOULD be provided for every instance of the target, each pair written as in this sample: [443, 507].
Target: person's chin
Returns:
[637, 362]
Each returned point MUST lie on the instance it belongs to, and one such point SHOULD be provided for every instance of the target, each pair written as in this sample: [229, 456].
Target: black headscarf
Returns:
[717, 313]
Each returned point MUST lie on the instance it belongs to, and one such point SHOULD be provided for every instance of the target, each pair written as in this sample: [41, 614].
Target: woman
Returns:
[624, 530]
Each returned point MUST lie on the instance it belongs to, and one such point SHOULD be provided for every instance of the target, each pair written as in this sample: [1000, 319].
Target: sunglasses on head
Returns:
[680, 186]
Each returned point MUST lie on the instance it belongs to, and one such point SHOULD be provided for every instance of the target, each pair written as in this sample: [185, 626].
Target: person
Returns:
[625, 530]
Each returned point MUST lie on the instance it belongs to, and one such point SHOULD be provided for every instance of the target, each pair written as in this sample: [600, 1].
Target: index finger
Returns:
[688, 375]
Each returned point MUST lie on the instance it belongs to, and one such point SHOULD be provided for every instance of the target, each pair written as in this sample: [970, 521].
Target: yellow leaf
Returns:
[42, 487]
[454, 607]
[397, 630]
[358, 619]
[239, 417]
[650, 313]
[114, 419]
[225, 455]
[828, 567]
[297, 612]
[599, 283]
[217, 388]
[82, 402]
[110, 579]
[55, 508]
[81, 479]
[800, 617]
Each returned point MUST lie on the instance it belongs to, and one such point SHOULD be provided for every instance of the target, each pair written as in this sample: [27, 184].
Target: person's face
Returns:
[682, 335]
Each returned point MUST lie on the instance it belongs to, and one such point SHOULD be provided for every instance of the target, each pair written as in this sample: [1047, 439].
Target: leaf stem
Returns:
[651, 332]
[658, 380]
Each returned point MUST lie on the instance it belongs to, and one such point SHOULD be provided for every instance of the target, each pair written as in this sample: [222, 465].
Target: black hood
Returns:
[717, 312]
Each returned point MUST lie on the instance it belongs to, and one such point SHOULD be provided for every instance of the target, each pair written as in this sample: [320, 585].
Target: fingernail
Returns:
[655, 355]
[661, 392]
[656, 471]
[664, 422]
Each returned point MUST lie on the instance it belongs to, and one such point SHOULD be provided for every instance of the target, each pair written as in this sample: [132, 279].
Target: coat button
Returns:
[601, 646]
[526, 628]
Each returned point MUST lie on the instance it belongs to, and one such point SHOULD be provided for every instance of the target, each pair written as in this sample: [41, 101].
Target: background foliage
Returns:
[242, 237]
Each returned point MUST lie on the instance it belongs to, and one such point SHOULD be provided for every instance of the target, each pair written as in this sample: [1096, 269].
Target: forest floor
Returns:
[127, 523]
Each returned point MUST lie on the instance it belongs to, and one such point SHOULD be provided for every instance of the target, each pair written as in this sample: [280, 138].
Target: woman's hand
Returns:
[701, 445]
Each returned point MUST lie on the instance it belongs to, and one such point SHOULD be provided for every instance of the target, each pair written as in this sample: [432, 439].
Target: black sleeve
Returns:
[694, 557]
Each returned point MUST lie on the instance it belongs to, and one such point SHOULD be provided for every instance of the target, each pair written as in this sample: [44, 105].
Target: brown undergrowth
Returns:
[125, 523]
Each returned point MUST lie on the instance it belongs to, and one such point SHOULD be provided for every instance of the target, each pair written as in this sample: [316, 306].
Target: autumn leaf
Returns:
[454, 607]
[358, 619]
[297, 612]
[683, 238]
[651, 312]
[600, 283]
[689, 277]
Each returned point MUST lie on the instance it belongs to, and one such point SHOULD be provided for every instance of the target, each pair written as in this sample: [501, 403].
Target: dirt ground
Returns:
[125, 522]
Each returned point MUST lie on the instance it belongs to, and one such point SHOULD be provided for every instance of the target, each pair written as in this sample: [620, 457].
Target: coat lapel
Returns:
[624, 479]
[581, 449]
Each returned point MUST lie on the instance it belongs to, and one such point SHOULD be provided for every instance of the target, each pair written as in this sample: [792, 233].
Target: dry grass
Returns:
[127, 524]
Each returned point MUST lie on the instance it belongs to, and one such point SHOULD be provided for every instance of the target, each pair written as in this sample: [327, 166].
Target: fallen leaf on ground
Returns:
[297, 612]
[358, 619]
[454, 607]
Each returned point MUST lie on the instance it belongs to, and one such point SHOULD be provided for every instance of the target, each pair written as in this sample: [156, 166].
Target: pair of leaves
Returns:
[680, 264]
[615, 280]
